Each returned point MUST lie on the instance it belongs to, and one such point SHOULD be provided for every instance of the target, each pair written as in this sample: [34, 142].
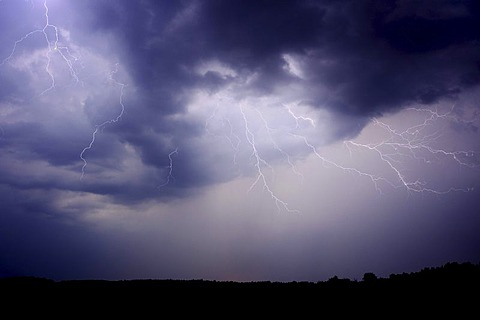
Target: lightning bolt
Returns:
[329, 163]
[416, 143]
[107, 122]
[170, 168]
[298, 118]
[53, 47]
[325, 161]
[259, 163]
[413, 136]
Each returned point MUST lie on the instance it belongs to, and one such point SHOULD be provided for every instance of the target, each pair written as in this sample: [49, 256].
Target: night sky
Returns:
[238, 140]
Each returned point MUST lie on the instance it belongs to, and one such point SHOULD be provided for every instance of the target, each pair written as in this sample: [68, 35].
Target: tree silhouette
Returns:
[369, 277]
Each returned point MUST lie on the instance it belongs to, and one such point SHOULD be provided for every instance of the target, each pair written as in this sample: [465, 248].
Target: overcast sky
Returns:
[238, 140]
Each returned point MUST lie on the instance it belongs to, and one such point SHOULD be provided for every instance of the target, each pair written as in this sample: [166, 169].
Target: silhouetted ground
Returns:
[451, 288]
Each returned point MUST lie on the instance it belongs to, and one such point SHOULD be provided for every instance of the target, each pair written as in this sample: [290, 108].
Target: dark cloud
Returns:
[428, 27]
[381, 55]
[356, 59]
[28, 141]
[360, 58]
[253, 32]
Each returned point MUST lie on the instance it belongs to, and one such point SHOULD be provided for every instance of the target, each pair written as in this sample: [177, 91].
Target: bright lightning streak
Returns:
[170, 168]
[419, 143]
[326, 162]
[409, 143]
[53, 46]
[105, 123]
[298, 118]
[415, 143]
[259, 162]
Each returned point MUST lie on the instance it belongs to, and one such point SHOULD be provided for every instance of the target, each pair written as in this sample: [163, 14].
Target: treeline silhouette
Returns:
[437, 287]
[449, 275]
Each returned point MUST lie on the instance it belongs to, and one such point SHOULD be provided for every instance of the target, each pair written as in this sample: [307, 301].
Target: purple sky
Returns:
[238, 140]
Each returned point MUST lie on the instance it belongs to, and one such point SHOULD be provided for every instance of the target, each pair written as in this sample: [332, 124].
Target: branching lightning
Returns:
[259, 164]
[53, 47]
[414, 143]
[325, 161]
[417, 143]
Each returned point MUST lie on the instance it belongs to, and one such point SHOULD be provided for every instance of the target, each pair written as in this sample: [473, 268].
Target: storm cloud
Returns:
[354, 60]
